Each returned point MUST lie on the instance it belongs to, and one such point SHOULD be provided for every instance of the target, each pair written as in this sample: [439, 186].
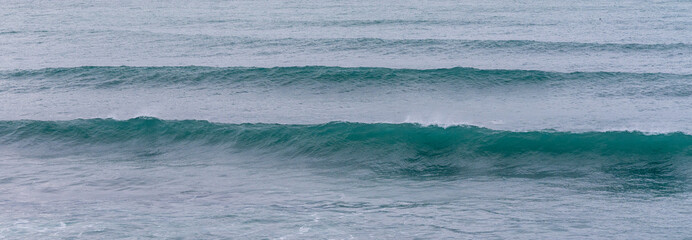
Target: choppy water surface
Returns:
[341, 120]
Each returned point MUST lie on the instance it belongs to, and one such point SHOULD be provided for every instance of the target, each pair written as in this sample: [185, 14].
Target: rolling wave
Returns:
[105, 77]
[635, 161]
[370, 140]
[382, 44]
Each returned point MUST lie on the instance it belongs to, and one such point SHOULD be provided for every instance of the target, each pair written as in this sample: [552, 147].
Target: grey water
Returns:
[345, 120]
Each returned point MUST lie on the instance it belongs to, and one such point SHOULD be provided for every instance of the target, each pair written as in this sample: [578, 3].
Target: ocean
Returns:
[345, 120]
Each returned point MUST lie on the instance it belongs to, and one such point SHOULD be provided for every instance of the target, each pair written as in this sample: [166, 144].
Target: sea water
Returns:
[346, 120]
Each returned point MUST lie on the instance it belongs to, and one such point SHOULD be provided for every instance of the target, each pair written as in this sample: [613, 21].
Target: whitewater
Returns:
[345, 120]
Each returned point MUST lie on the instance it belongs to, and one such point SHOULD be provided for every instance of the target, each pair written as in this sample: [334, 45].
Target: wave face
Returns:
[409, 150]
[339, 136]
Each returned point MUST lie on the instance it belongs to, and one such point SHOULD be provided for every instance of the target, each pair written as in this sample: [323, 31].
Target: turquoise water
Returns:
[345, 120]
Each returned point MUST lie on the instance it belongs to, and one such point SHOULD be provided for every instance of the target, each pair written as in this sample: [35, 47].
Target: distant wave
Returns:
[397, 22]
[652, 84]
[174, 48]
[392, 46]
[460, 44]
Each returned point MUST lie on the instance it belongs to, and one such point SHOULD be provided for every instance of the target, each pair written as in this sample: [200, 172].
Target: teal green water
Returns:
[463, 142]
[385, 150]
[345, 120]
[103, 77]
[147, 172]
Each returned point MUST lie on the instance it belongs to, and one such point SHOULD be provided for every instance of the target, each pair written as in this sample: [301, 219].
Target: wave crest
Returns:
[334, 137]
[316, 77]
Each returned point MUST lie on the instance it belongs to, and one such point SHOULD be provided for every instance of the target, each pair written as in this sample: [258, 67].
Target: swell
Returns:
[384, 45]
[455, 45]
[601, 161]
[338, 137]
[394, 22]
[527, 46]
[110, 77]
